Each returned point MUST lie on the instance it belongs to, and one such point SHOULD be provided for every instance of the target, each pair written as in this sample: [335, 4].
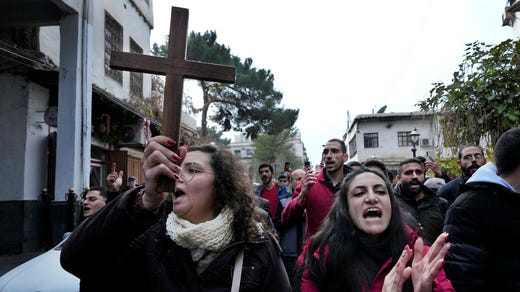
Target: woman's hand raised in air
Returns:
[159, 160]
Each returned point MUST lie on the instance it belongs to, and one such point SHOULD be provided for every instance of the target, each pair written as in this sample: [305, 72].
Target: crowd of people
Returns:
[350, 226]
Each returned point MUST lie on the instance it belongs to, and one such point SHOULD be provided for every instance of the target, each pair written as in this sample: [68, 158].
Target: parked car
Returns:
[42, 273]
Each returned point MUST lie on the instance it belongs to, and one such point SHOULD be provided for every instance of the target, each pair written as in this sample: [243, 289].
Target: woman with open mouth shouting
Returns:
[214, 239]
[365, 245]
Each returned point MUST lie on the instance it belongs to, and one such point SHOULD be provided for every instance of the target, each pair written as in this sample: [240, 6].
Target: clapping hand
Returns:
[424, 268]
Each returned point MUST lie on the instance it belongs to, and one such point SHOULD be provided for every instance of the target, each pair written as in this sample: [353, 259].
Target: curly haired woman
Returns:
[129, 246]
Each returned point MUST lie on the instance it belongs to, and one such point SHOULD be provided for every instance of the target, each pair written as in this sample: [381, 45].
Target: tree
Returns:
[275, 149]
[215, 136]
[483, 100]
[250, 105]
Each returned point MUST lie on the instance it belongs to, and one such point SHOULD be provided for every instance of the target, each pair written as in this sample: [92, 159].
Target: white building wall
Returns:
[37, 140]
[389, 150]
[516, 23]
[135, 27]
[22, 107]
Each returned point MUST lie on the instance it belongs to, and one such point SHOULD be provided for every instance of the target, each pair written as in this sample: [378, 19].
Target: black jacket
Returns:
[429, 212]
[450, 191]
[484, 230]
[118, 249]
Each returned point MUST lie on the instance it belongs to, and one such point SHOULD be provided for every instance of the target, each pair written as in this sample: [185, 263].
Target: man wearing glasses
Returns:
[471, 158]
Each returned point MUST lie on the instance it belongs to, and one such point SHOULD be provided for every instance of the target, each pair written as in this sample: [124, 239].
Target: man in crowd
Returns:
[483, 224]
[470, 159]
[296, 177]
[315, 195]
[422, 203]
[284, 179]
[115, 183]
[435, 184]
[131, 183]
[93, 200]
[291, 235]
[269, 188]
[354, 164]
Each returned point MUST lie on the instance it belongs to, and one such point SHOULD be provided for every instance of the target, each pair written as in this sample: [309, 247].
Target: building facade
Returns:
[386, 137]
[510, 16]
[63, 114]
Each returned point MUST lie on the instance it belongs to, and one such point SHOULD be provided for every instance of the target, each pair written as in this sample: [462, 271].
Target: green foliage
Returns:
[449, 165]
[483, 99]
[151, 106]
[275, 149]
[215, 136]
[250, 105]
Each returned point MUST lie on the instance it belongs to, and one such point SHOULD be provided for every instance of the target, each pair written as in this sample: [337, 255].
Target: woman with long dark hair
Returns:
[365, 245]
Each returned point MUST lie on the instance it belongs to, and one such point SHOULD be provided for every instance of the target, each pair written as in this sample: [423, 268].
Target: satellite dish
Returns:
[51, 116]
[382, 110]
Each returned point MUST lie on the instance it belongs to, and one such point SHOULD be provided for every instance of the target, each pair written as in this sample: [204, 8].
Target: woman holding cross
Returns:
[214, 240]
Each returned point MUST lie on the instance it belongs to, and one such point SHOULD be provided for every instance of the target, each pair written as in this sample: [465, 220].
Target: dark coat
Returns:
[291, 235]
[429, 212]
[484, 230]
[118, 249]
[317, 205]
[450, 191]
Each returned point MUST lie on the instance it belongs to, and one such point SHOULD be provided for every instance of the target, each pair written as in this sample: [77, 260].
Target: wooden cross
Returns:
[176, 68]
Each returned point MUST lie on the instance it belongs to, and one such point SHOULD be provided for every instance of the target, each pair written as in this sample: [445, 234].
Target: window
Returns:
[403, 139]
[97, 167]
[238, 153]
[249, 152]
[113, 42]
[371, 140]
[352, 146]
[136, 78]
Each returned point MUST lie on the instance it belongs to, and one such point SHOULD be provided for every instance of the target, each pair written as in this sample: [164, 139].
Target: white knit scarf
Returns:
[204, 240]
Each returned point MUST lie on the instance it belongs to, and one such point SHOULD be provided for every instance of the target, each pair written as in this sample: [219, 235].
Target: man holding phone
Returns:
[315, 194]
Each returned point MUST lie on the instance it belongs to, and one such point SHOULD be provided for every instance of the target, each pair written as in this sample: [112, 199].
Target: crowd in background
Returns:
[350, 226]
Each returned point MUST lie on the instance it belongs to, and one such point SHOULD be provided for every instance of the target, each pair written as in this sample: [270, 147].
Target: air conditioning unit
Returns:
[425, 142]
[133, 135]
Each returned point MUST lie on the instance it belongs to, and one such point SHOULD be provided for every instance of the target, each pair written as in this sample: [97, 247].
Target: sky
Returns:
[333, 57]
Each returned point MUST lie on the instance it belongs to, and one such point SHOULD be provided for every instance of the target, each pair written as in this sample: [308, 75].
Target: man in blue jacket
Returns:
[484, 224]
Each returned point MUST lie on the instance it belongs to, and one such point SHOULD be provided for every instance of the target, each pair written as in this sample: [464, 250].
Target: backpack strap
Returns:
[237, 271]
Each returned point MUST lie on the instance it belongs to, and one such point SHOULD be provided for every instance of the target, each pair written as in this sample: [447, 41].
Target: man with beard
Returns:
[315, 194]
[268, 190]
[470, 159]
[418, 200]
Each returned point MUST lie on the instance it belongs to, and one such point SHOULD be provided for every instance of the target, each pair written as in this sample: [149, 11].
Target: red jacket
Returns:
[440, 283]
[317, 205]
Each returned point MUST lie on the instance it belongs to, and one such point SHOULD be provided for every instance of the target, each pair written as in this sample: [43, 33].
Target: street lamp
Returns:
[414, 136]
